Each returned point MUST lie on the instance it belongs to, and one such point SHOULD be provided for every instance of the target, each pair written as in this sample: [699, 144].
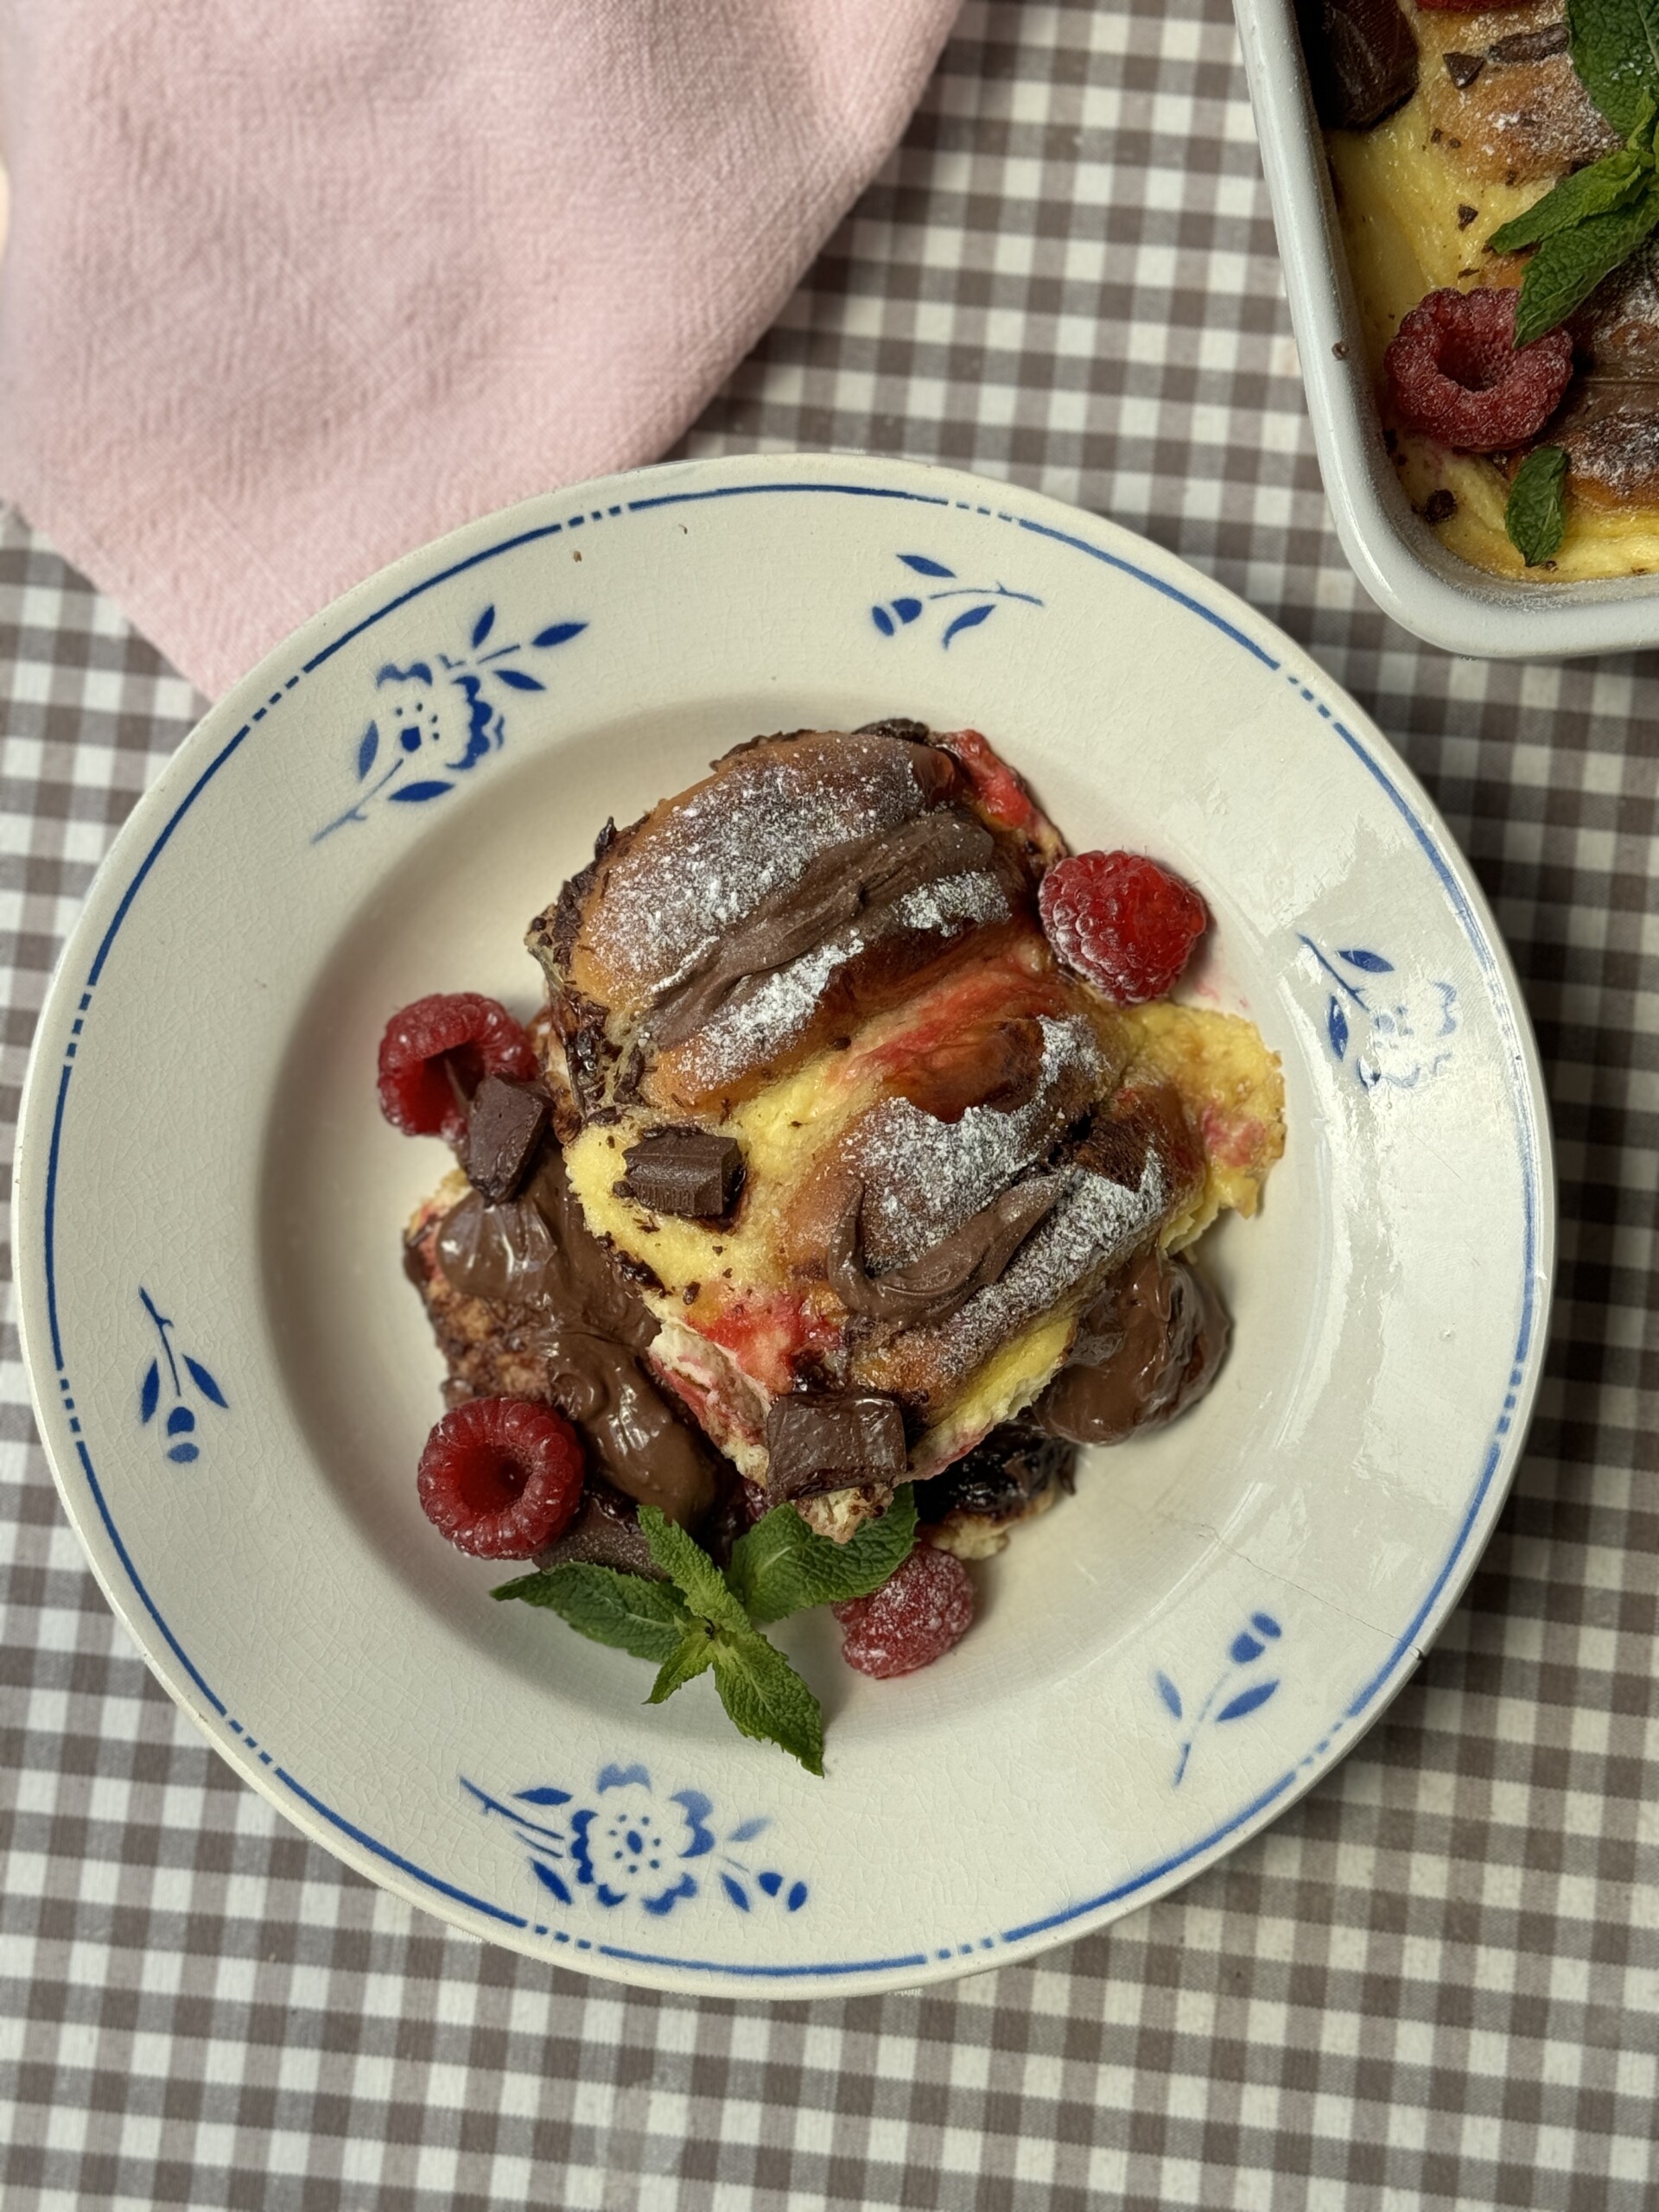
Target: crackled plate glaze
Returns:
[233, 1380]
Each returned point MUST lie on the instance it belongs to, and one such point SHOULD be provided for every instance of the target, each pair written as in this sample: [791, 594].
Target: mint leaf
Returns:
[1569, 266]
[767, 1699]
[780, 1566]
[1612, 182]
[701, 1582]
[1536, 516]
[624, 1610]
[694, 1652]
[1614, 45]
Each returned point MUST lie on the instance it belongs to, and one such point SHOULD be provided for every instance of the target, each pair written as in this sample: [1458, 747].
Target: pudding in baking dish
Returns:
[1501, 150]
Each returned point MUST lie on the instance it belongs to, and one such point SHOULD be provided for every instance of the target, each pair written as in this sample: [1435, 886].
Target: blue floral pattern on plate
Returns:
[1241, 1688]
[179, 1427]
[438, 717]
[895, 614]
[1386, 1031]
[631, 1845]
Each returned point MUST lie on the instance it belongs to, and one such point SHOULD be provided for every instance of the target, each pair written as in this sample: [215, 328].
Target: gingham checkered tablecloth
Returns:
[1435, 1981]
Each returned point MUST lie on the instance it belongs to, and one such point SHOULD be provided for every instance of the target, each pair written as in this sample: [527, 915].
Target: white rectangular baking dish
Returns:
[1394, 553]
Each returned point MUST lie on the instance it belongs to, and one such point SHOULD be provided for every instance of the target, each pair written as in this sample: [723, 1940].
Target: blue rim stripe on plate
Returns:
[1461, 909]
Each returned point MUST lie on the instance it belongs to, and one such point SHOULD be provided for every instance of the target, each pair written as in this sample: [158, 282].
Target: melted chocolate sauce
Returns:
[1148, 1347]
[930, 1288]
[860, 878]
[536, 1252]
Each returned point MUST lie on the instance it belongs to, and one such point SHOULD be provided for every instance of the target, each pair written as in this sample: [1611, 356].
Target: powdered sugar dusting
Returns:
[768, 1013]
[753, 832]
[924, 1177]
[1096, 1226]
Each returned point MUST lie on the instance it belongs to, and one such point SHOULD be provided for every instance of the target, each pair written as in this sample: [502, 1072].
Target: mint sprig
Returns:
[625, 1610]
[781, 1566]
[702, 1618]
[1590, 222]
[1536, 514]
[765, 1698]
[1614, 46]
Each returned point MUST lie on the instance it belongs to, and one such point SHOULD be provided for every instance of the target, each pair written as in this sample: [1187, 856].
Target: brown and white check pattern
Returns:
[1435, 1981]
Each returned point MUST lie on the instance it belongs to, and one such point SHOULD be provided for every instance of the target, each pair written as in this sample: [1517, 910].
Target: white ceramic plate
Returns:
[1394, 553]
[234, 1381]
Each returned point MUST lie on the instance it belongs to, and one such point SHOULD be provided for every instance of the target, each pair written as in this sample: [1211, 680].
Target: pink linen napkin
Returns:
[289, 290]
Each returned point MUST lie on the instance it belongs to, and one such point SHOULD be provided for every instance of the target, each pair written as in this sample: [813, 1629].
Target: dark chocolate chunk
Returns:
[689, 1172]
[1467, 214]
[1440, 506]
[820, 1441]
[1464, 69]
[1531, 46]
[1361, 59]
[604, 1533]
[503, 1131]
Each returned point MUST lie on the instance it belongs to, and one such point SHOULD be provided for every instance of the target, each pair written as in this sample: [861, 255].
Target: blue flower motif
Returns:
[437, 717]
[1388, 1030]
[630, 1846]
[895, 614]
[1228, 1699]
[178, 1426]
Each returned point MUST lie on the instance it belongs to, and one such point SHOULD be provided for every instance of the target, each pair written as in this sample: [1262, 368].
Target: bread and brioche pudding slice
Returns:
[886, 1192]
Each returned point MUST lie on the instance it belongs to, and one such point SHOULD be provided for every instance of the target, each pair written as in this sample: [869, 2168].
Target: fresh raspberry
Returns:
[1454, 372]
[1468, 7]
[919, 1614]
[435, 1054]
[501, 1477]
[1122, 921]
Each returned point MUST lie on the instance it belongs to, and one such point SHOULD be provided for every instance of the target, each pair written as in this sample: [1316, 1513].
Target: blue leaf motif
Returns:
[696, 1808]
[415, 794]
[618, 1778]
[1265, 1624]
[180, 1421]
[771, 1883]
[368, 746]
[1243, 1649]
[546, 1794]
[1170, 1695]
[735, 1891]
[183, 1454]
[796, 1896]
[519, 680]
[908, 609]
[970, 621]
[204, 1382]
[1369, 963]
[558, 633]
[923, 566]
[552, 1881]
[749, 1829]
[1247, 1701]
[882, 621]
[1336, 1022]
[150, 1394]
[483, 627]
